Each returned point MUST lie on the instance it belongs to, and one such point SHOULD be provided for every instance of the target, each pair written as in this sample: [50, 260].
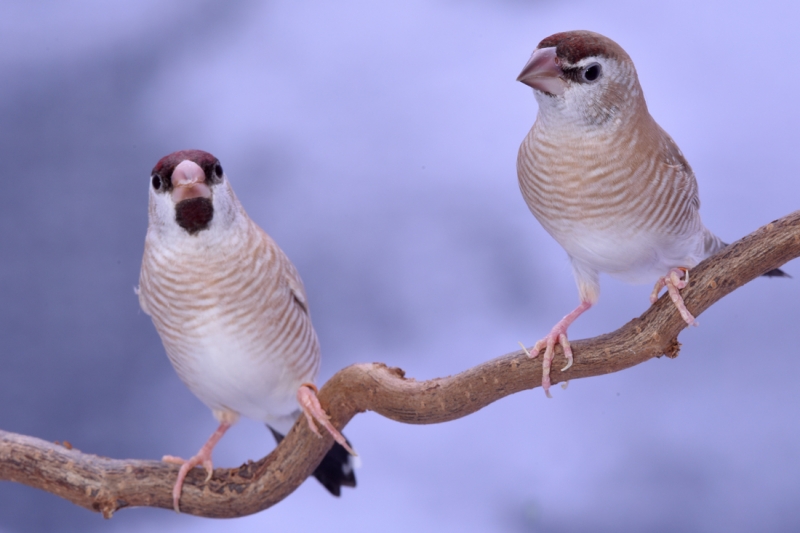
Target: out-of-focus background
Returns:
[376, 141]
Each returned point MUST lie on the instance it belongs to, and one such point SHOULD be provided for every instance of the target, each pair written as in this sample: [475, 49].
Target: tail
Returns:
[335, 470]
[774, 273]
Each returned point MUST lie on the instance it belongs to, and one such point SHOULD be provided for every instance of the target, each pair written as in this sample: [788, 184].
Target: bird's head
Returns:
[189, 193]
[582, 76]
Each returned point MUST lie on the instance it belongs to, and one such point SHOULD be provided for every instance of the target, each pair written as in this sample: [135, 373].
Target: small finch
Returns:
[231, 311]
[605, 180]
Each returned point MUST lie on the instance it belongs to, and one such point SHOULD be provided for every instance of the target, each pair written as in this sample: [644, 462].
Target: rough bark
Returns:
[106, 485]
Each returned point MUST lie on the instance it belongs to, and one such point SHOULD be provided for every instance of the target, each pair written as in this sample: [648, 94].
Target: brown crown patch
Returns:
[572, 46]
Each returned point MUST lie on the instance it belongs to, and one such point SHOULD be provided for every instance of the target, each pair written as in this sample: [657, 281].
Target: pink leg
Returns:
[674, 281]
[557, 334]
[309, 403]
[203, 457]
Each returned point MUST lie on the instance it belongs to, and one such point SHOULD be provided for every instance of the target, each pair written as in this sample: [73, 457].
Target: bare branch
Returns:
[105, 485]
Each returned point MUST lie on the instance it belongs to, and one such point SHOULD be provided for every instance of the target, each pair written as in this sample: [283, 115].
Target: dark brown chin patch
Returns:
[194, 214]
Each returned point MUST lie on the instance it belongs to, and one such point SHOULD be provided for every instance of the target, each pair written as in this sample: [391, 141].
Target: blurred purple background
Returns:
[376, 142]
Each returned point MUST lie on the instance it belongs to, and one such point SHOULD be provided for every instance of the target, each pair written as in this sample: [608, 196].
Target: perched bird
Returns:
[231, 311]
[605, 180]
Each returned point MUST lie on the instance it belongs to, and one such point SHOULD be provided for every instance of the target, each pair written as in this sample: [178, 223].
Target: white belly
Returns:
[227, 374]
[630, 255]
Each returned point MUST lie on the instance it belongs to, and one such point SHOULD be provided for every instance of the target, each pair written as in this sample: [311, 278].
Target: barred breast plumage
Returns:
[632, 217]
[231, 310]
[604, 179]
[233, 321]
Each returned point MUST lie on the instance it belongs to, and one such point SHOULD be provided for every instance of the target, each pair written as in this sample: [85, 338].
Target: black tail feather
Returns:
[776, 273]
[335, 470]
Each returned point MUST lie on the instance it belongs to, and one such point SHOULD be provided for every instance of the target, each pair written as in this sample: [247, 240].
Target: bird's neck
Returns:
[573, 125]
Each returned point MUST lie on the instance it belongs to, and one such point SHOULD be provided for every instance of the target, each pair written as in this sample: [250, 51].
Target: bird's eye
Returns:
[592, 72]
[218, 170]
[156, 181]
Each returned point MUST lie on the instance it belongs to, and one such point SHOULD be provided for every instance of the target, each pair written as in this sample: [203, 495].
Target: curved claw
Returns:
[562, 340]
[209, 469]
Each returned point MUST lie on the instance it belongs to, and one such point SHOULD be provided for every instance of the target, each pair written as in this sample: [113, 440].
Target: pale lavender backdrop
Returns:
[376, 141]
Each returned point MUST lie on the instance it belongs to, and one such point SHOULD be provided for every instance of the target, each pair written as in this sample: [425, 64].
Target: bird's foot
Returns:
[548, 344]
[674, 281]
[309, 403]
[202, 458]
[557, 335]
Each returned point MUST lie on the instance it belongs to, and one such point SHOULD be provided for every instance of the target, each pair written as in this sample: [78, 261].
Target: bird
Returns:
[605, 180]
[231, 311]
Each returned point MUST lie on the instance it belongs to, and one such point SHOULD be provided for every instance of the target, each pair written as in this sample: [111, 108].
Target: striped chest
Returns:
[618, 200]
[230, 323]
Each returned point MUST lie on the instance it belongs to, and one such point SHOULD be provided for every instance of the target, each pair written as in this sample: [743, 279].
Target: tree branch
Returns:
[106, 485]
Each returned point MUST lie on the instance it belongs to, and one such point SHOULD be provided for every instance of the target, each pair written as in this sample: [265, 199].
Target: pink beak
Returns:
[189, 181]
[543, 73]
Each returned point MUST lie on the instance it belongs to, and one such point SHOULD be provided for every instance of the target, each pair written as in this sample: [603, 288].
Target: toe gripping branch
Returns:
[674, 281]
[309, 403]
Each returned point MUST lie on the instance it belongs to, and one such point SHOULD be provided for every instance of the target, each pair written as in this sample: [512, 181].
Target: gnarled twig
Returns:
[106, 485]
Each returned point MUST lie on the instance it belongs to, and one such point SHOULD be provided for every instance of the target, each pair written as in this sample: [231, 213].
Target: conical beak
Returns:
[543, 73]
[189, 181]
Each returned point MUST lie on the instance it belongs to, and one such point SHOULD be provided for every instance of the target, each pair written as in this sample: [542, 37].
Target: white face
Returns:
[598, 89]
[170, 196]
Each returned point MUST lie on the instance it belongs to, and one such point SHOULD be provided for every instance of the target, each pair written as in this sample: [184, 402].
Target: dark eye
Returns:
[156, 181]
[592, 72]
[218, 170]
